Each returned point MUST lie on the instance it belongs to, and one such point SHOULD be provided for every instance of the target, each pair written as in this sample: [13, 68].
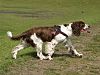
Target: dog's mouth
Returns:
[85, 30]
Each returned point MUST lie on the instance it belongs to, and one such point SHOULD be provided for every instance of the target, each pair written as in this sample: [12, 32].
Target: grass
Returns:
[19, 15]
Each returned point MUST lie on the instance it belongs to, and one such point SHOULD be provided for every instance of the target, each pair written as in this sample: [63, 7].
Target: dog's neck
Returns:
[66, 29]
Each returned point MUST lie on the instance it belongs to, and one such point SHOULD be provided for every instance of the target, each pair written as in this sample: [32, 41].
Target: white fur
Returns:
[67, 30]
[9, 34]
[86, 26]
[19, 47]
[39, 44]
[49, 48]
[36, 39]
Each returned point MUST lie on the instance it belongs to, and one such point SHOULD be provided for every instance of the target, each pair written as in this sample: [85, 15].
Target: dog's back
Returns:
[45, 33]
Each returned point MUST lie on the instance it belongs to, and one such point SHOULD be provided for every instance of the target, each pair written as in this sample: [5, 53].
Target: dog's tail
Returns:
[9, 34]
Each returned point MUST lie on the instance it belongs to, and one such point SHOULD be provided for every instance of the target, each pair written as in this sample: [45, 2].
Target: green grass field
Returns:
[20, 15]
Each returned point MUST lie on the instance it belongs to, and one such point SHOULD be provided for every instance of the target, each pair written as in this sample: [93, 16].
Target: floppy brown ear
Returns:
[77, 27]
[76, 30]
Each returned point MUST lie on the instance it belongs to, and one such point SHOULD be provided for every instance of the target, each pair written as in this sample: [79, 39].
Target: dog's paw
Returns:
[43, 58]
[14, 56]
[79, 55]
[49, 58]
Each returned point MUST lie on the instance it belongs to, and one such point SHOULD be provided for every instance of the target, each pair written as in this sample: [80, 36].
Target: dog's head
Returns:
[79, 26]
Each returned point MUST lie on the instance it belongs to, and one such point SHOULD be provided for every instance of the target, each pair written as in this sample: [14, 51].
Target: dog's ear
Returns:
[77, 27]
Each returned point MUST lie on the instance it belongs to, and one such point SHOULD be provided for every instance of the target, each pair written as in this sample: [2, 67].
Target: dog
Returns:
[53, 35]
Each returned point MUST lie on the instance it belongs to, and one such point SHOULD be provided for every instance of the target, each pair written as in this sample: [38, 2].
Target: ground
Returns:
[20, 15]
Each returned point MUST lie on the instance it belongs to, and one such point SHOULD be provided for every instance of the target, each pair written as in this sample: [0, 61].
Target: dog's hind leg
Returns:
[19, 47]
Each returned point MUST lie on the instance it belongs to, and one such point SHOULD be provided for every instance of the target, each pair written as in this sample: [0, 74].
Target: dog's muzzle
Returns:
[86, 28]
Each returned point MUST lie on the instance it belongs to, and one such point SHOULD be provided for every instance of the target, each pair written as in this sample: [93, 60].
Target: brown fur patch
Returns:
[77, 27]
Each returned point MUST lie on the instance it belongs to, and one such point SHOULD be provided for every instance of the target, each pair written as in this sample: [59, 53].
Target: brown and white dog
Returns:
[52, 36]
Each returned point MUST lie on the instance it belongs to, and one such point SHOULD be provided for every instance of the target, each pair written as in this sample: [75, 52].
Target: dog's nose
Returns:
[88, 31]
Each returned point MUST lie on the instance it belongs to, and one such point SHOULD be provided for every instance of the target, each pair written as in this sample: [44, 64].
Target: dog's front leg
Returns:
[49, 48]
[39, 51]
[71, 49]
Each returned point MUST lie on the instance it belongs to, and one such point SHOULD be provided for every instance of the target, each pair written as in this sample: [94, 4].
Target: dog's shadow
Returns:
[30, 54]
[34, 55]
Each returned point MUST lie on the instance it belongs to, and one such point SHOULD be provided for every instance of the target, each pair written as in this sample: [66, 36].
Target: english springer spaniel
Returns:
[51, 35]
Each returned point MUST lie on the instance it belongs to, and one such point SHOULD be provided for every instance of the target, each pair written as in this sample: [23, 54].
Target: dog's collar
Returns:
[58, 30]
[64, 34]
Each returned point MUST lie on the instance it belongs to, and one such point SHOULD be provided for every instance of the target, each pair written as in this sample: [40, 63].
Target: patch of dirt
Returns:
[31, 67]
